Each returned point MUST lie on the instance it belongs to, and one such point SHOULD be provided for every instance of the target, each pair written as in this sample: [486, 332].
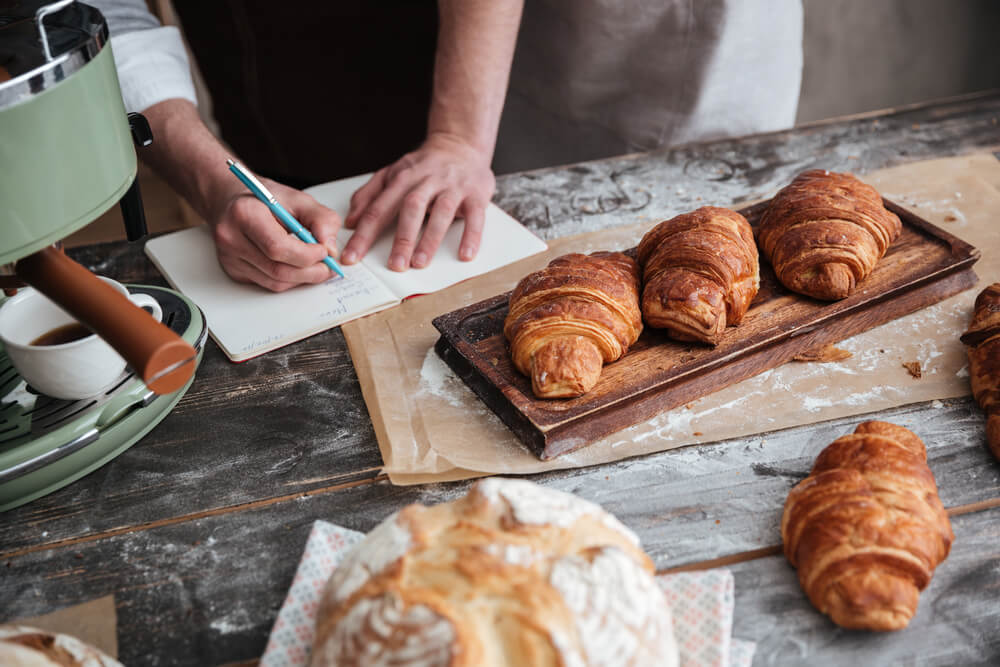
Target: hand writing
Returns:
[253, 247]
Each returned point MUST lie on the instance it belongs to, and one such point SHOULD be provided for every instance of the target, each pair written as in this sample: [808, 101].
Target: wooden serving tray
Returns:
[925, 265]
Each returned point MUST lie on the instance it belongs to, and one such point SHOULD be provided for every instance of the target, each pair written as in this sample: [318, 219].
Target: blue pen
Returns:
[283, 216]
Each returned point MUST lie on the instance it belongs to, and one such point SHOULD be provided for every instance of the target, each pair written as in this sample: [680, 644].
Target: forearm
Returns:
[476, 43]
[189, 157]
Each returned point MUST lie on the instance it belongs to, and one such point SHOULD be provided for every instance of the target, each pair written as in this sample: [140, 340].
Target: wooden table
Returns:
[197, 529]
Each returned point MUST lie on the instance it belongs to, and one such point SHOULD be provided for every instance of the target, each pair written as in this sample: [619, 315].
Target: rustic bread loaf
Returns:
[866, 528]
[511, 574]
[572, 317]
[22, 646]
[700, 273]
[983, 339]
[824, 232]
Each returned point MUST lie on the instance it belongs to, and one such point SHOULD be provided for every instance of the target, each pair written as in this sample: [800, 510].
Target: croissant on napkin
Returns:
[700, 273]
[866, 528]
[572, 317]
[983, 339]
[824, 232]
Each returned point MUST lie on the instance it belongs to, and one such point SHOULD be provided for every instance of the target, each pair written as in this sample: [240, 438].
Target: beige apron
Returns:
[594, 78]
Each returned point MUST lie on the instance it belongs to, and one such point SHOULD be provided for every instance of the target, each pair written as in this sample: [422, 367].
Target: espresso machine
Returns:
[67, 155]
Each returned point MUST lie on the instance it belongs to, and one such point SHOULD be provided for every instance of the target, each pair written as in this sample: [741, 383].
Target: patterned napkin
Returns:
[701, 602]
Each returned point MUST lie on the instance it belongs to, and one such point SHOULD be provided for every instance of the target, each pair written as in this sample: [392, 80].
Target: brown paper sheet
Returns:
[94, 622]
[432, 428]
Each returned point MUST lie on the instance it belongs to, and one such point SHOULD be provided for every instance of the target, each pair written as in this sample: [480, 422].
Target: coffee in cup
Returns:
[55, 354]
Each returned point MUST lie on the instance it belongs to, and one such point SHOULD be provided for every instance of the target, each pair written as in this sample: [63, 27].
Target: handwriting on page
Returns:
[359, 290]
[260, 343]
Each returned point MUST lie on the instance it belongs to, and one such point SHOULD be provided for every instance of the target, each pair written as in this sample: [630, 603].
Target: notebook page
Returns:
[246, 320]
[505, 241]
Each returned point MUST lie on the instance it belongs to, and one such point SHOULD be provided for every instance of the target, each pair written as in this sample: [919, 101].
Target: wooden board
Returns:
[924, 266]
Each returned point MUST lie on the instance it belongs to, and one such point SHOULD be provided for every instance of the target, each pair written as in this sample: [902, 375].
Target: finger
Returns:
[364, 196]
[377, 216]
[472, 235]
[244, 272]
[234, 247]
[411, 218]
[277, 245]
[442, 215]
[270, 274]
[323, 222]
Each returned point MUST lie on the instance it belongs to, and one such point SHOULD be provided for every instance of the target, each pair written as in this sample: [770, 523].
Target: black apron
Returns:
[308, 92]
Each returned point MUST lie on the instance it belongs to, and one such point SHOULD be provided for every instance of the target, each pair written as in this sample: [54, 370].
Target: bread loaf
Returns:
[866, 528]
[983, 339]
[22, 646]
[511, 574]
[572, 317]
[700, 273]
[824, 232]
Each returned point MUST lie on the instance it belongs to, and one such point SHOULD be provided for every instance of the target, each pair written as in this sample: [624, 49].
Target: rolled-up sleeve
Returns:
[151, 61]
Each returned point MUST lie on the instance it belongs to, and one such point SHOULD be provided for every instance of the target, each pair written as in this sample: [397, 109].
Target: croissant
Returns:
[824, 233]
[983, 339]
[700, 273]
[866, 528]
[569, 319]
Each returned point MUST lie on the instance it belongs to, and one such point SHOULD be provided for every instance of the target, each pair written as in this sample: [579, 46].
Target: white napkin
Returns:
[701, 602]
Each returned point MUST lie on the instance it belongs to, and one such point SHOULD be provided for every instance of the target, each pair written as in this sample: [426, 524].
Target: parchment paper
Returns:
[94, 622]
[431, 427]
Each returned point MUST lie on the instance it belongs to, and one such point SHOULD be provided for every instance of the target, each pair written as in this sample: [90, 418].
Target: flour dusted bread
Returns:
[511, 574]
[983, 339]
[700, 273]
[866, 528]
[824, 232]
[572, 317]
[21, 646]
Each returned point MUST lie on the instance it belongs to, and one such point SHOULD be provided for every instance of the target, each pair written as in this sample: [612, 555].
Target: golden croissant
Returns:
[866, 528]
[700, 273]
[983, 339]
[569, 319]
[824, 232]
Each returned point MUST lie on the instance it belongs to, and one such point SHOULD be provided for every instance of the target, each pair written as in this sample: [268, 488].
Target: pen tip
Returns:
[230, 162]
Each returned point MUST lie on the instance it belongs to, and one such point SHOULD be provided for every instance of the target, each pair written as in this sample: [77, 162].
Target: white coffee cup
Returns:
[78, 369]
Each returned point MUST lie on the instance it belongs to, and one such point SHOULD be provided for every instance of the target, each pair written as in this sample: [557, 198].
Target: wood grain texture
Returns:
[205, 589]
[925, 265]
[660, 184]
[551, 202]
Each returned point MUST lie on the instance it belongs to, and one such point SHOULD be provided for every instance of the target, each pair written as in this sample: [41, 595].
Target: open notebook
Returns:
[246, 320]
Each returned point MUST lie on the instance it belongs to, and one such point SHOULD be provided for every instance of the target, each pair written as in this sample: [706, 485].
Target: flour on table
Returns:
[813, 403]
[438, 379]
[944, 210]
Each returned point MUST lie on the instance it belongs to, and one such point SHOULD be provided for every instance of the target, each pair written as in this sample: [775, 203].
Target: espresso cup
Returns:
[78, 369]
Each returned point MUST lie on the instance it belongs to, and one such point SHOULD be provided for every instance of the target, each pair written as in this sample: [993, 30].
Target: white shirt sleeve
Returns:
[152, 67]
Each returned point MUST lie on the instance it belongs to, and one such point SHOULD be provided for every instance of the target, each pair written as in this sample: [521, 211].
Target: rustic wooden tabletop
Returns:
[197, 529]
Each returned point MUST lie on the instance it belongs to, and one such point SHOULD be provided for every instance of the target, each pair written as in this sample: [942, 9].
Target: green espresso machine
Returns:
[67, 155]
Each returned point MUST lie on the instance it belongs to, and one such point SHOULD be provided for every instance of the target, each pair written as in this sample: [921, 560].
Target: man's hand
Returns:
[253, 247]
[425, 190]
